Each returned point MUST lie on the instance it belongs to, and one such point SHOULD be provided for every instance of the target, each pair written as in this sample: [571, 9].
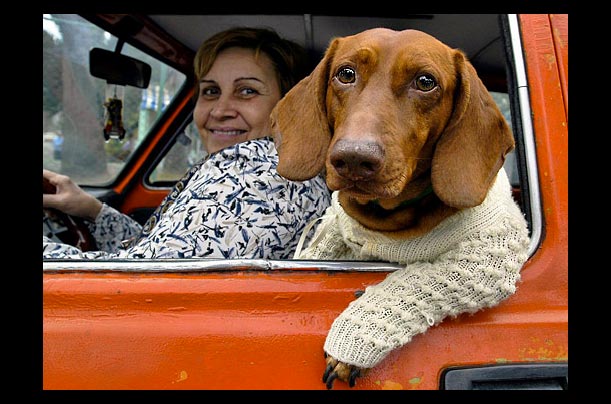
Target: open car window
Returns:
[185, 149]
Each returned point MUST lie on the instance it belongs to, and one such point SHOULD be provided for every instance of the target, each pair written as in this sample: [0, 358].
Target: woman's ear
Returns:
[299, 124]
[472, 148]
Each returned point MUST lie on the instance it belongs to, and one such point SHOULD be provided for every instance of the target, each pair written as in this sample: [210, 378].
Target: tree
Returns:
[51, 77]
[82, 112]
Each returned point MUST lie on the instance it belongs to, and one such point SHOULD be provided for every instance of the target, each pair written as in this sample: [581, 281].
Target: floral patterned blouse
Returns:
[232, 204]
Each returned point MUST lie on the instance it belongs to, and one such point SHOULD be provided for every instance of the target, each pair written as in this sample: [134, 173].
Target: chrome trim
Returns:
[197, 265]
[528, 134]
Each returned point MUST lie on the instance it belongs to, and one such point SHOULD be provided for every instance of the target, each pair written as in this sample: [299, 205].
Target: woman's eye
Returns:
[247, 91]
[346, 75]
[425, 83]
[209, 91]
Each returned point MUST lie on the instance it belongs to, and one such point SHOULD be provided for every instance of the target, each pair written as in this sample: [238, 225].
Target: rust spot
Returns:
[414, 382]
[390, 385]
[558, 34]
[546, 350]
[550, 59]
[293, 298]
[181, 377]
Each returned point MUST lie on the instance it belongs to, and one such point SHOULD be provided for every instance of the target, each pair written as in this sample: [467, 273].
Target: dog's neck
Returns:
[414, 212]
[409, 202]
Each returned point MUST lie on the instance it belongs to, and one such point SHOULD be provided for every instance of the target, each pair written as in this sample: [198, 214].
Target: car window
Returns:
[73, 102]
[186, 150]
[511, 165]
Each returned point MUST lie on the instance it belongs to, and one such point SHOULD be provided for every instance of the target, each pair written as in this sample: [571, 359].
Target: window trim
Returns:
[197, 265]
[527, 134]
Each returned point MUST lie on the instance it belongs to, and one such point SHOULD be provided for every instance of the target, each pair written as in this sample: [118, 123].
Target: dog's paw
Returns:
[342, 371]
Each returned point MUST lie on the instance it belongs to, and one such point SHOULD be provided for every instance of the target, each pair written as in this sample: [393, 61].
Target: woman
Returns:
[233, 203]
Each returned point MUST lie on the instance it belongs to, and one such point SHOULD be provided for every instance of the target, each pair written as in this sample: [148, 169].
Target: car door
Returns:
[261, 324]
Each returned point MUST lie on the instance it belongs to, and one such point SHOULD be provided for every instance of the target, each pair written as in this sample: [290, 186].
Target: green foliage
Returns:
[51, 74]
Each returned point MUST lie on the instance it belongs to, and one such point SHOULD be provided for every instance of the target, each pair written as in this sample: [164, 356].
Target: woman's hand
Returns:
[69, 197]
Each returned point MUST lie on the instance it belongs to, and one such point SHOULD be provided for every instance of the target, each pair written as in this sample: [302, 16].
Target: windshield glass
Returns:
[74, 112]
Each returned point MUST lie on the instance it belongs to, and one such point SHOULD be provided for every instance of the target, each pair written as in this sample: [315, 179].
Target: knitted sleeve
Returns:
[479, 272]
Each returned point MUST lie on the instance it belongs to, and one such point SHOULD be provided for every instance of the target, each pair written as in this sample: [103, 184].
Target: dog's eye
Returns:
[346, 75]
[425, 83]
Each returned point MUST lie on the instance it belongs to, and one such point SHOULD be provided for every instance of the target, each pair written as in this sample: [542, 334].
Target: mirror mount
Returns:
[119, 45]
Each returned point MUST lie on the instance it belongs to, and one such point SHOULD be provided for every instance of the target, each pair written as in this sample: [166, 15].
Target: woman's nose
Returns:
[223, 108]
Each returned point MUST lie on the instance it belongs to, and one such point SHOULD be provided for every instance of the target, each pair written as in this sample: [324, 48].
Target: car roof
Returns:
[478, 35]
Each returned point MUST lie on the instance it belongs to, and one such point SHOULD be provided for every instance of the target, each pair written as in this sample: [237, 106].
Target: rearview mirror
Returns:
[119, 69]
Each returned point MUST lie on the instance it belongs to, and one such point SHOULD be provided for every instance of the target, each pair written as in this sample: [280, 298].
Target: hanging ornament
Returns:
[113, 118]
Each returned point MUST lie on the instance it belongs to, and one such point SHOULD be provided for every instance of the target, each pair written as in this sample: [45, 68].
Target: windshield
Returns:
[74, 112]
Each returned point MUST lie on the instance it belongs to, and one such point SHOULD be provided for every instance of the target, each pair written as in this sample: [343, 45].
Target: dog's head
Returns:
[385, 109]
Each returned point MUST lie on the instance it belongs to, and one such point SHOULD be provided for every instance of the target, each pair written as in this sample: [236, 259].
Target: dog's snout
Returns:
[356, 160]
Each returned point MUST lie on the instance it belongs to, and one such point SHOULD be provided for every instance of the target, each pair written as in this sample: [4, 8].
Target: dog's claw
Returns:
[327, 371]
[342, 371]
[330, 380]
[353, 375]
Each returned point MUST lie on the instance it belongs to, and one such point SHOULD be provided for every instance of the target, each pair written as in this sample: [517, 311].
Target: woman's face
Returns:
[235, 99]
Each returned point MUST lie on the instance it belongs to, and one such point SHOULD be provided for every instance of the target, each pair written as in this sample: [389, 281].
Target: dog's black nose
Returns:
[357, 160]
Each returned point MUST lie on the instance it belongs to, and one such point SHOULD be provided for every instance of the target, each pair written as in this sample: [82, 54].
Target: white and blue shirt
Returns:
[232, 204]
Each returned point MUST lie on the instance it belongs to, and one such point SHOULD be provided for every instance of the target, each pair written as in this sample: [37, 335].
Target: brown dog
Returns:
[409, 137]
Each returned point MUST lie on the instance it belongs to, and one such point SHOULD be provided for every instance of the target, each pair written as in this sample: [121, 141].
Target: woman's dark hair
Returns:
[290, 60]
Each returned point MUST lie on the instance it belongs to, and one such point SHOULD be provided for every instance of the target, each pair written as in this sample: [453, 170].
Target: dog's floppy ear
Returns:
[299, 124]
[472, 148]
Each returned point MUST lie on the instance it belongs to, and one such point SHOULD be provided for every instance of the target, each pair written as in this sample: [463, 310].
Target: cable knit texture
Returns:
[470, 261]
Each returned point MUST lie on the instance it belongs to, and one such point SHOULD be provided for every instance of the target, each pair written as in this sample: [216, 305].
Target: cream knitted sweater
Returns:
[470, 261]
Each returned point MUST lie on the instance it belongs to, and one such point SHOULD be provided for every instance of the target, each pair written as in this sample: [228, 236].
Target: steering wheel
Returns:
[69, 229]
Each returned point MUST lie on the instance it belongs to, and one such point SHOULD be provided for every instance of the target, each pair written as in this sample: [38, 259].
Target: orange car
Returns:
[261, 324]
